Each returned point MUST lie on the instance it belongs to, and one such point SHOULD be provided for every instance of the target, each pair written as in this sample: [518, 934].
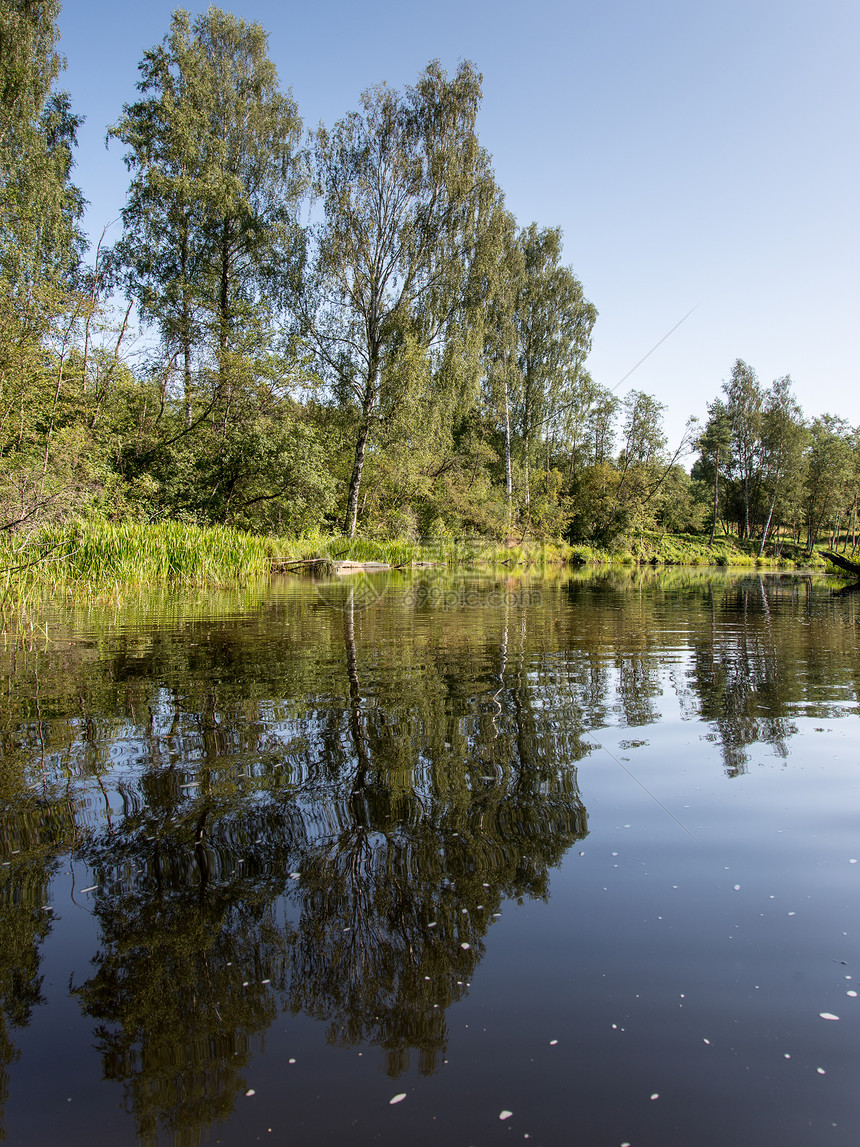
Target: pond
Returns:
[417, 858]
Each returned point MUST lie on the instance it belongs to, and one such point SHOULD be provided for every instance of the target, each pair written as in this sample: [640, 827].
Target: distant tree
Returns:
[829, 469]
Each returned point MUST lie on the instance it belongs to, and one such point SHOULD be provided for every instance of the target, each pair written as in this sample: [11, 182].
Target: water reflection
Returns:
[296, 805]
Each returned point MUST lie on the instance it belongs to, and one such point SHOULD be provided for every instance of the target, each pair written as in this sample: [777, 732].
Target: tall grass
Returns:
[103, 554]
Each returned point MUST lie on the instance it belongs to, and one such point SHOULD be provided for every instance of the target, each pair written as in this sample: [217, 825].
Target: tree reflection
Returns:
[741, 671]
[359, 890]
[304, 807]
[184, 986]
[31, 834]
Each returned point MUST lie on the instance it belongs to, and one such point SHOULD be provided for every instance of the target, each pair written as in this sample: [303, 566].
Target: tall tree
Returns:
[210, 219]
[40, 208]
[715, 446]
[401, 182]
[500, 344]
[553, 322]
[744, 401]
[829, 470]
[783, 436]
[41, 243]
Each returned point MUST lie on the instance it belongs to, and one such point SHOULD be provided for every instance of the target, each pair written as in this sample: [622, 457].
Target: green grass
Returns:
[337, 547]
[694, 550]
[104, 554]
[452, 552]
[100, 556]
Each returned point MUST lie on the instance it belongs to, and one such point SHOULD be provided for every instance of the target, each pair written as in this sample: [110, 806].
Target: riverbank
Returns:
[104, 555]
[694, 550]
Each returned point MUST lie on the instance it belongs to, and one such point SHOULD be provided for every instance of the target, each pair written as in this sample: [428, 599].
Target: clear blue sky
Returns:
[694, 155]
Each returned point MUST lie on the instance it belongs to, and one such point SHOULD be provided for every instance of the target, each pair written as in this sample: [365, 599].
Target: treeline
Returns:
[774, 473]
[343, 329]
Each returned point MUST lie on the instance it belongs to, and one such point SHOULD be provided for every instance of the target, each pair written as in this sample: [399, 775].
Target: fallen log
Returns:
[315, 565]
[850, 567]
[326, 565]
[359, 567]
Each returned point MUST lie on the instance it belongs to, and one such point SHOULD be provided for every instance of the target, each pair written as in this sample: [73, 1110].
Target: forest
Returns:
[341, 331]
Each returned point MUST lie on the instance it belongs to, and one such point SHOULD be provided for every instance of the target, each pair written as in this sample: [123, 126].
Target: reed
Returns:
[102, 554]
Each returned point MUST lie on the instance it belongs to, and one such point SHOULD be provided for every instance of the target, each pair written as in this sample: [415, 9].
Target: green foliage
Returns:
[404, 186]
[412, 368]
[40, 208]
[209, 226]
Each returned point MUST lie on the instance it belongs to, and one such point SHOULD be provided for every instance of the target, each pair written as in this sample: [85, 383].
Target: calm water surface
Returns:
[434, 861]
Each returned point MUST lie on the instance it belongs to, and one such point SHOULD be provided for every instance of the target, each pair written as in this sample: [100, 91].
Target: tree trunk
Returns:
[767, 523]
[367, 405]
[186, 328]
[224, 291]
[850, 529]
[351, 518]
[509, 484]
[716, 497]
[746, 506]
[834, 537]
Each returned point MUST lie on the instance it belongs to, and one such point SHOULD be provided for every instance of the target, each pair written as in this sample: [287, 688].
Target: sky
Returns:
[700, 159]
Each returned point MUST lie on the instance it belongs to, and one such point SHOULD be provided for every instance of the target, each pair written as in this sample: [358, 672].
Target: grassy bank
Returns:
[693, 550]
[103, 555]
[455, 553]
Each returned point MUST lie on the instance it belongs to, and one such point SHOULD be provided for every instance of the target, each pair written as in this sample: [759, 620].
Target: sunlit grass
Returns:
[104, 557]
[453, 553]
[99, 555]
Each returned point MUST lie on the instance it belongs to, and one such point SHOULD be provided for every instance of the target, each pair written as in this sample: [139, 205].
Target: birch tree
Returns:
[744, 401]
[401, 183]
[553, 322]
[783, 439]
[209, 223]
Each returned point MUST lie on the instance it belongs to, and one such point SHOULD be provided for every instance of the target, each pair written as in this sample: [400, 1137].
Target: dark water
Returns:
[583, 851]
